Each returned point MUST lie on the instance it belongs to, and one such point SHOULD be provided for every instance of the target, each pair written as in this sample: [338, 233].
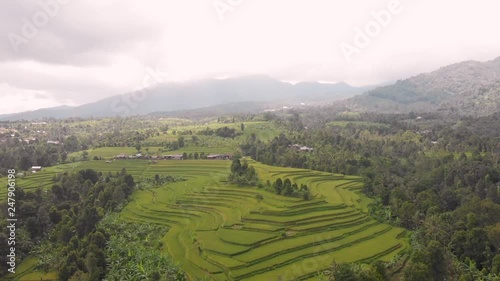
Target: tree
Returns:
[180, 141]
[236, 166]
[417, 272]
[278, 186]
[138, 147]
[406, 213]
[174, 145]
[495, 266]
[436, 259]
[494, 236]
[71, 143]
[343, 272]
[242, 127]
[85, 155]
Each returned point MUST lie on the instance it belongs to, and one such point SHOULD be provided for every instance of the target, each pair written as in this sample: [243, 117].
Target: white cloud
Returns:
[17, 100]
[95, 49]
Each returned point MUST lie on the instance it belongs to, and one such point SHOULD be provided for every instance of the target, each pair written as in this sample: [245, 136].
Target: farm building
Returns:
[173, 157]
[219, 157]
[301, 148]
[36, 169]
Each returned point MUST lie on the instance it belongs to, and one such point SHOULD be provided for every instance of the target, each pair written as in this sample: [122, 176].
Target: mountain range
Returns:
[260, 91]
[466, 88]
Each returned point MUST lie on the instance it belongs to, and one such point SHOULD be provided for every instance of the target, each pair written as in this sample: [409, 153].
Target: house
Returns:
[306, 149]
[173, 157]
[220, 156]
[301, 148]
[138, 155]
[154, 157]
[227, 157]
[53, 142]
[36, 169]
[121, 156]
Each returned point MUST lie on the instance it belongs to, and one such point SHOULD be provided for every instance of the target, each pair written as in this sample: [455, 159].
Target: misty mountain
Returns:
[198, 94]
[467, 88]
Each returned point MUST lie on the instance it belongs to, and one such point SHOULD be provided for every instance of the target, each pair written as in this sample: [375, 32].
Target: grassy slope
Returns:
[222, 231]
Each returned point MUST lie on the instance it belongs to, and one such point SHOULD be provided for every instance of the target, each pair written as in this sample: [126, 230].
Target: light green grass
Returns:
[220, 231]
[26, 271]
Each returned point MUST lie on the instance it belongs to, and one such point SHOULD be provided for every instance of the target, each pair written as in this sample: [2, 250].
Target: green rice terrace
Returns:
[220, 231]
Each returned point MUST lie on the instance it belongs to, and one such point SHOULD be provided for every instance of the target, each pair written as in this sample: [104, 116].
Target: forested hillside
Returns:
[419, 190]
[467, 88]
[439, 179]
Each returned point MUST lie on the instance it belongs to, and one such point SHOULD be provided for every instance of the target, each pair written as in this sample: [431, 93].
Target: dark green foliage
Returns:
[135, 250]
[181, 142]
[226, 132]
[357, 272]
[428, 176]
[157, 181]
[286, 188]
[243, 174]
[62, 223]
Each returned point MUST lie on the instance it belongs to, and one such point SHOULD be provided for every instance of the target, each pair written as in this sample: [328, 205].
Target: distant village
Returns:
[11, 133]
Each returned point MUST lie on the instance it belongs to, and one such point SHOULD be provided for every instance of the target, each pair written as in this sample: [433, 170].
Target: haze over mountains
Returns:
[467, 88]
[201, 94]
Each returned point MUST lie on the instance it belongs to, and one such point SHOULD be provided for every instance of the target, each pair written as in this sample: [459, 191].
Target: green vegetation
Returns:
[243, 174]
[344, 124]
[134, 250]
[231, 232]
[446, 198]
[379, 197]
[66, 218]
[222, 231]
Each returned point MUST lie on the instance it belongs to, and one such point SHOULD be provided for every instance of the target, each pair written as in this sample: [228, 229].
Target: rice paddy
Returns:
[220, 231]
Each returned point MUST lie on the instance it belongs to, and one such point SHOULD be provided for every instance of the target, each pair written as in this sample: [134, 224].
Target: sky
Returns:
[72, 52]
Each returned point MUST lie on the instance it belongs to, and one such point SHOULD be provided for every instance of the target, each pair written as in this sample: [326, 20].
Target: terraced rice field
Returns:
[220, 231]
[223, 232]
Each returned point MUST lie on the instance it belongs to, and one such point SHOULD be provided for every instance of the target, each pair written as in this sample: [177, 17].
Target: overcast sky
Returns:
[75, 51]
